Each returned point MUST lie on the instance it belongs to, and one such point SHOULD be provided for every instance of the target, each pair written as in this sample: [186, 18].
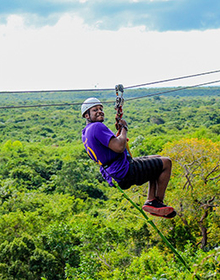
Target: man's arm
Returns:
[118, 144]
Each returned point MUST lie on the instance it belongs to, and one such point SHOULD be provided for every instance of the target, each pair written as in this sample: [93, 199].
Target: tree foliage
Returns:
[60, 220]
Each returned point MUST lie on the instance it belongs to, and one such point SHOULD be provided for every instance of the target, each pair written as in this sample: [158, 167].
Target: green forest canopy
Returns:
[59, 218]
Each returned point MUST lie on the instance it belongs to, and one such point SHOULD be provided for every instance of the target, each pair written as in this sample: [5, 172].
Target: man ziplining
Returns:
[109, 151]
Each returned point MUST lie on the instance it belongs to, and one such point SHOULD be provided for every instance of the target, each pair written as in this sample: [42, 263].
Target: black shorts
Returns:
[142, 170]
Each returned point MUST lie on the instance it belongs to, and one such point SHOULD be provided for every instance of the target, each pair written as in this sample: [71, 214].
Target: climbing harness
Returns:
[119, 112]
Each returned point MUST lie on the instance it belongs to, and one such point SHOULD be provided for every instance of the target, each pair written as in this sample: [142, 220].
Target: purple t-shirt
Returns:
[96, 137]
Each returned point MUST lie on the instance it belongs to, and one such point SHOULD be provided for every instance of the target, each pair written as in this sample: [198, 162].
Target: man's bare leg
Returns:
[152, 190]
[157, 190]
[164, 178]
[158, 187]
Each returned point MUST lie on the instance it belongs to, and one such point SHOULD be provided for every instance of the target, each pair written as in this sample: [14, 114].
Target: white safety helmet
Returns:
[89, 103]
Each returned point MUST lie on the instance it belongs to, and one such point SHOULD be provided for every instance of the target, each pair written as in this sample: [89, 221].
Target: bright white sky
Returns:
[54, 44]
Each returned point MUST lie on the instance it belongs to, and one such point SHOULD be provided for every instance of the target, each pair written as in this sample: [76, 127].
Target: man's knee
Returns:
[167, 163]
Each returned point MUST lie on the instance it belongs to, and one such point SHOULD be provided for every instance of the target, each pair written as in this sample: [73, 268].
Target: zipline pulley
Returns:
[119, 111]
[119, 105]
[119, 99]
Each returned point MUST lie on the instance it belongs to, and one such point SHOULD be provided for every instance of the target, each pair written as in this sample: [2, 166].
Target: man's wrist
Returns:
[125, 127]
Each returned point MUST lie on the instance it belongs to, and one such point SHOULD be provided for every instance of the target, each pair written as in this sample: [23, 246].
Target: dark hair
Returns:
[87, 112]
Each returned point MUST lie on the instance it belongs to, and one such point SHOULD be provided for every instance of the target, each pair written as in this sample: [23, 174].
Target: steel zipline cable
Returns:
[174, 79]
[110, 89]
[128, 99]
[174, 90]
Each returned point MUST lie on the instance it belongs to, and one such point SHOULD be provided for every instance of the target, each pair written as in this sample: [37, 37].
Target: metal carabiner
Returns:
[119, 99]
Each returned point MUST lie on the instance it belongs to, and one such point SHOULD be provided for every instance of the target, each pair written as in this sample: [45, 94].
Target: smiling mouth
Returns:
[100, 117]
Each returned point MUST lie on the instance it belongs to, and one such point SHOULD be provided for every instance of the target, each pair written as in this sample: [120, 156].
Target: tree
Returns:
[195, 184]
[20, 259]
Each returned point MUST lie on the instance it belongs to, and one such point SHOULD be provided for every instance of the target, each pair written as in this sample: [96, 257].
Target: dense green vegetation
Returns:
[60, 220]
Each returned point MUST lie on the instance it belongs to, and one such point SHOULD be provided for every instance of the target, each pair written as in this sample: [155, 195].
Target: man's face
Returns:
[96, 114]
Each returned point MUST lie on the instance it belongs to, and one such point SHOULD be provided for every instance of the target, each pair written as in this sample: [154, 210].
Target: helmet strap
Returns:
[88, 112]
